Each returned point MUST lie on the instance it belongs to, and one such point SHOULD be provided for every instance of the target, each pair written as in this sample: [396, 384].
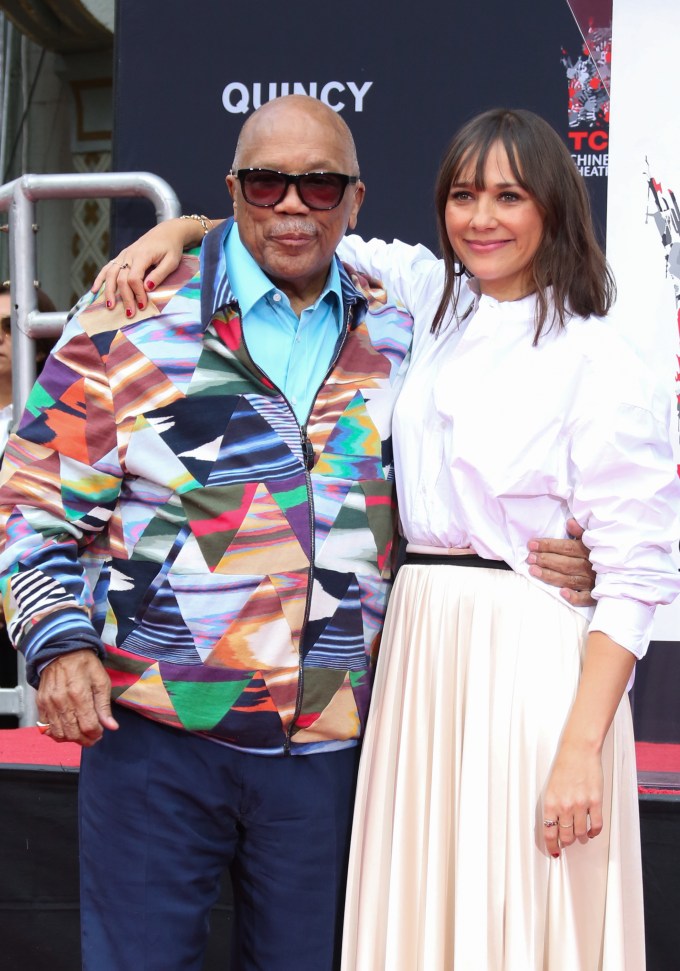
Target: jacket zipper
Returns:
[308, 460]
[308, 453]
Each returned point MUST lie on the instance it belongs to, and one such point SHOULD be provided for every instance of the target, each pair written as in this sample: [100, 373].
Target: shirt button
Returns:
[277, 298]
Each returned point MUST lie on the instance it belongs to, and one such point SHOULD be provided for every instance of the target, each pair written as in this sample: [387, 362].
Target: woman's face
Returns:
[495, 231]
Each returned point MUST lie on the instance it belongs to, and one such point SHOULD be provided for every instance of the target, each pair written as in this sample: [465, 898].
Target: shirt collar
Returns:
[250, 283]
[512, 308]
[219, 293]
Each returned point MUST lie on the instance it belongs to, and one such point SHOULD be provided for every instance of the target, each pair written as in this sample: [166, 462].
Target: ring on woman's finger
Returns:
[566, 825]
[43, 727]
[549, 822]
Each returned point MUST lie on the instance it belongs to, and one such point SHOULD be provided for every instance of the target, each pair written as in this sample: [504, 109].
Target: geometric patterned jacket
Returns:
[164, 506]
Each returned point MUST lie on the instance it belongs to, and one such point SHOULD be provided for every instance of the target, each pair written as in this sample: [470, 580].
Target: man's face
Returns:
[292, 243]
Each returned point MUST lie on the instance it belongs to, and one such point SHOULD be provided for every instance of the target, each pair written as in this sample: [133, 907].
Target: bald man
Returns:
[211, 546]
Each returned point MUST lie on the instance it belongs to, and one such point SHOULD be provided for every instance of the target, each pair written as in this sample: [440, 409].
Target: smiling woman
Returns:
[497, 826]
[514, 158]
[495, 228]
[496, 821]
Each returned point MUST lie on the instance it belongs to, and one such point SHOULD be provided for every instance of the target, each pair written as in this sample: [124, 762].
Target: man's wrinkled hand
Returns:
[564, 563]
[74, 698]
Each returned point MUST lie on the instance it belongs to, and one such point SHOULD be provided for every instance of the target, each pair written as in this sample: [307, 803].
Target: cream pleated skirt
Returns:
[477, 673]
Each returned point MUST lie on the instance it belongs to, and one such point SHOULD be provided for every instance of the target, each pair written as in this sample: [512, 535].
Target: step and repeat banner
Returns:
[643, 226]
[403, 75]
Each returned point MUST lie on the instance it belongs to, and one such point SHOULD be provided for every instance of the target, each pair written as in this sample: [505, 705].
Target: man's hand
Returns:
[564, 563]
[74, 698]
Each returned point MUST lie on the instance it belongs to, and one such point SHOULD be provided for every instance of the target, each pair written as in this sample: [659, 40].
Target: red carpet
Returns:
[39, 911]
[27, 747]
[658, 769]
[653, 757]
[658, 764]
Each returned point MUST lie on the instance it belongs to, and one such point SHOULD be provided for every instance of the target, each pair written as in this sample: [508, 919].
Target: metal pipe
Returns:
[18, 198]
[43, 323]
[24, 299]
[104, 184]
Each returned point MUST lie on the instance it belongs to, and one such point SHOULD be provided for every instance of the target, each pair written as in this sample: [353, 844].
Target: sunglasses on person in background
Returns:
[5, 324]
[317, 190]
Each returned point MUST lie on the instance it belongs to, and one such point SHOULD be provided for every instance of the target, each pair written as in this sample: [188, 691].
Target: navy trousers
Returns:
[162, 812]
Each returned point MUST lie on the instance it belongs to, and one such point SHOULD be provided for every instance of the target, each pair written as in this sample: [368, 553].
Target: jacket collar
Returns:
[216, 292]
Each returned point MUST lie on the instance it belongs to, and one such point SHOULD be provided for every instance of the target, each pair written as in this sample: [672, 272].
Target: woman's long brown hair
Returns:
[569, 258]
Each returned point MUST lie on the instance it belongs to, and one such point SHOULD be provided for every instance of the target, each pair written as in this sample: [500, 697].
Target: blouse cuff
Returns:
[628, 623]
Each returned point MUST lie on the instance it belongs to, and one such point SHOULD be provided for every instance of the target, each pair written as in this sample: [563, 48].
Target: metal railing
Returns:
[19, 198]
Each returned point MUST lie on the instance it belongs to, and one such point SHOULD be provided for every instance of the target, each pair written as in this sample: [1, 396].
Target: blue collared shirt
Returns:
[295, 353]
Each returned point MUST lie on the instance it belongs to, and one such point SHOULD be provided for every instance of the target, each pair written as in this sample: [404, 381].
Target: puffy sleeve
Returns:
[411, 274]
[627, 495]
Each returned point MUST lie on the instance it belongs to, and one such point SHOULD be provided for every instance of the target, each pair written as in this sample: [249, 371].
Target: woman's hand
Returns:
[573, 798]
[159, 250]
[572, 804]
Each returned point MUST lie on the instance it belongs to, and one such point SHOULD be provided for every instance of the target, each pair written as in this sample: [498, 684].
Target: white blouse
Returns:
[498, 442]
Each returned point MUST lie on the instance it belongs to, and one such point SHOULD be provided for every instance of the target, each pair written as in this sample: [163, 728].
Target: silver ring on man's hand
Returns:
[42, 727]
[549, 822]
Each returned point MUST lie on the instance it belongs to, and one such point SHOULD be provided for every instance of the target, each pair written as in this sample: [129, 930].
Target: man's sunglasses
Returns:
[5, 324]
[317, 190]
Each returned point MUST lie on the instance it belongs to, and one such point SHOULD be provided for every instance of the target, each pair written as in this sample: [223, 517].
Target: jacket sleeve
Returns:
[59, 486]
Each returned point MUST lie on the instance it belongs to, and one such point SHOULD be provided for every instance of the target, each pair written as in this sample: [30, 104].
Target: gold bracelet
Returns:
[203, 220]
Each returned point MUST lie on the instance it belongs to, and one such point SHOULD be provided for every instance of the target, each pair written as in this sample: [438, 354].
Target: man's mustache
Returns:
[288, 226]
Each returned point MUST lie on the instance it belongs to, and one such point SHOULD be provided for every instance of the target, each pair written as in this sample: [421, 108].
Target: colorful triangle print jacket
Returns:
[164, 507]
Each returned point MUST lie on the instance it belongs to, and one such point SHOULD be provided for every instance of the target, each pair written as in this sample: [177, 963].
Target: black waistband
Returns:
[460, 559]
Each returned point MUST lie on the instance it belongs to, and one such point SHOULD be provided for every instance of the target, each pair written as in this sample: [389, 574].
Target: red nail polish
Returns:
[141, 306]
[555, 856]
[128, 313]
[150, 285]
[109, 304]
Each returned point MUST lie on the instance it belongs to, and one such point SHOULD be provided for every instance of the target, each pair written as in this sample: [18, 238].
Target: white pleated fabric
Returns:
[478, 670]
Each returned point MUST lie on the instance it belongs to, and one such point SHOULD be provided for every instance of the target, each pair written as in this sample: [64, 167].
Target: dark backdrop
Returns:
[424, 68]
[430, 65]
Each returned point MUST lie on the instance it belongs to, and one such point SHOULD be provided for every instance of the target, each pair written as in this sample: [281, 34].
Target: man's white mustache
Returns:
[284, 228]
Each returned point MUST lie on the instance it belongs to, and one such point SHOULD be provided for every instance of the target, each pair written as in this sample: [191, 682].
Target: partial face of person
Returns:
[495, 231]
[293, 242]
[5, 337]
